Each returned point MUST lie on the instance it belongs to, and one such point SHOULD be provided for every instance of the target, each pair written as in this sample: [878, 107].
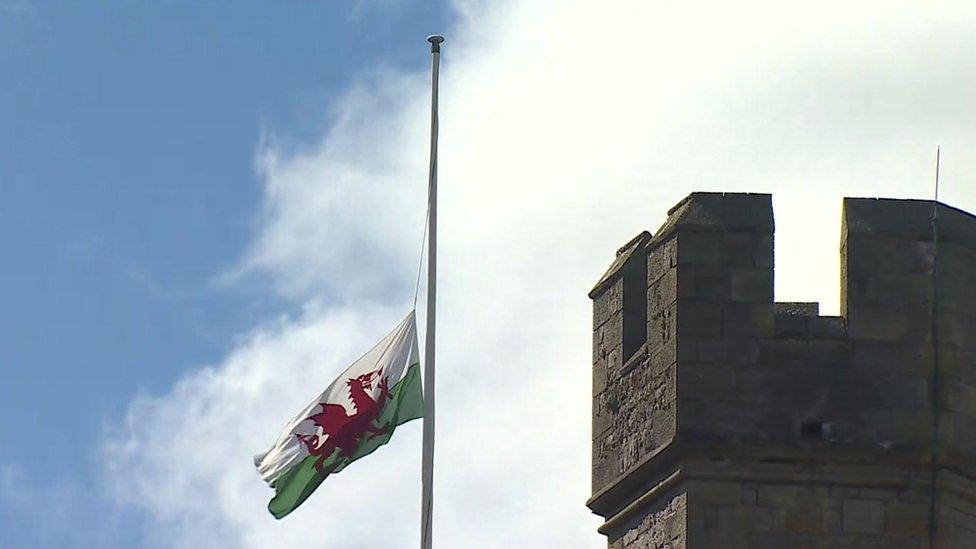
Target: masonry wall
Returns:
[767, 425]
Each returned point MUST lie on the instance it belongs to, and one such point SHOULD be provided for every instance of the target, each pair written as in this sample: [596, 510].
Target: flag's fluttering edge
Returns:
[355, 415]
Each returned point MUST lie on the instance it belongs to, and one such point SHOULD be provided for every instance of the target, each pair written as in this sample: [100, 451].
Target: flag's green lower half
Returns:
[295, 485]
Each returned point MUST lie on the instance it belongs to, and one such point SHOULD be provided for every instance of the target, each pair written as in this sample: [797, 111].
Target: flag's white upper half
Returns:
[558, 143]
[394, 354]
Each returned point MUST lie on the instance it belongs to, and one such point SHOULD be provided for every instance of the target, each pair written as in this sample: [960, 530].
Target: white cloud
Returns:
[566, 129]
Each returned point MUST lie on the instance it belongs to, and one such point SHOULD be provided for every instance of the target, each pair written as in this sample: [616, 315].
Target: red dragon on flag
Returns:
[342, 431]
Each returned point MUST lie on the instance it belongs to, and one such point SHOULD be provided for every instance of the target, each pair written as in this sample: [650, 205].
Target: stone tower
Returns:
[724, 420]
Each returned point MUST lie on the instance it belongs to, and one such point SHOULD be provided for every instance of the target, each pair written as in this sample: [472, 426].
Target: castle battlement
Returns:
[723, 419]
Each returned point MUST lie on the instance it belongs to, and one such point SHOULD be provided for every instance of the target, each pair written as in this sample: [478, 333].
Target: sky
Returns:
[207, 211]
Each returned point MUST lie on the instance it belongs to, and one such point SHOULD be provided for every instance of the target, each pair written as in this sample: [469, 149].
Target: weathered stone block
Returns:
[801, 517]
[599, 376]
[892, 290]
[895, 357]
[884, 323]
[750, 212]
[780, 540]
[907, 519]
[730, 351]
[709, 282]
[799, 308]
[603, 412]
[904, 427]
[661, 525]
[699, 318]
[957, 328]
[614, 362]
[764, 252]
[715, 493]
[750, 494]
[662, 292]
[748, 250]
[682, 349]
[790, 325]
[661, 259]
[700, 248]
[607, 303]
[831, 520]
[891, 255]
[599, 349]
[706, 381]
[747, 319]
[604, 466]
[777, 495]
[906, 392]
[662, 327]
[752, 285]
[613, 332]
[833, 327]
[864, 516]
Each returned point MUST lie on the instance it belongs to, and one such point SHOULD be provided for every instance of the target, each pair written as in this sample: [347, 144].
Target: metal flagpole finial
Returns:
[435, 42]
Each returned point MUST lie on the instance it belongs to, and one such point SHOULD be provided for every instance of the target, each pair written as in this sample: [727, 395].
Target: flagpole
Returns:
[427, 473]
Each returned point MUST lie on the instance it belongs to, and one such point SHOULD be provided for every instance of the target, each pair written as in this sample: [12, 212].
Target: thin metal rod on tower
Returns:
[934, 336]
[427, 473]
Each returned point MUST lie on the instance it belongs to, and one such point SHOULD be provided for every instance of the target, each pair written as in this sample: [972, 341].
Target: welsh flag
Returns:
[355, 415]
